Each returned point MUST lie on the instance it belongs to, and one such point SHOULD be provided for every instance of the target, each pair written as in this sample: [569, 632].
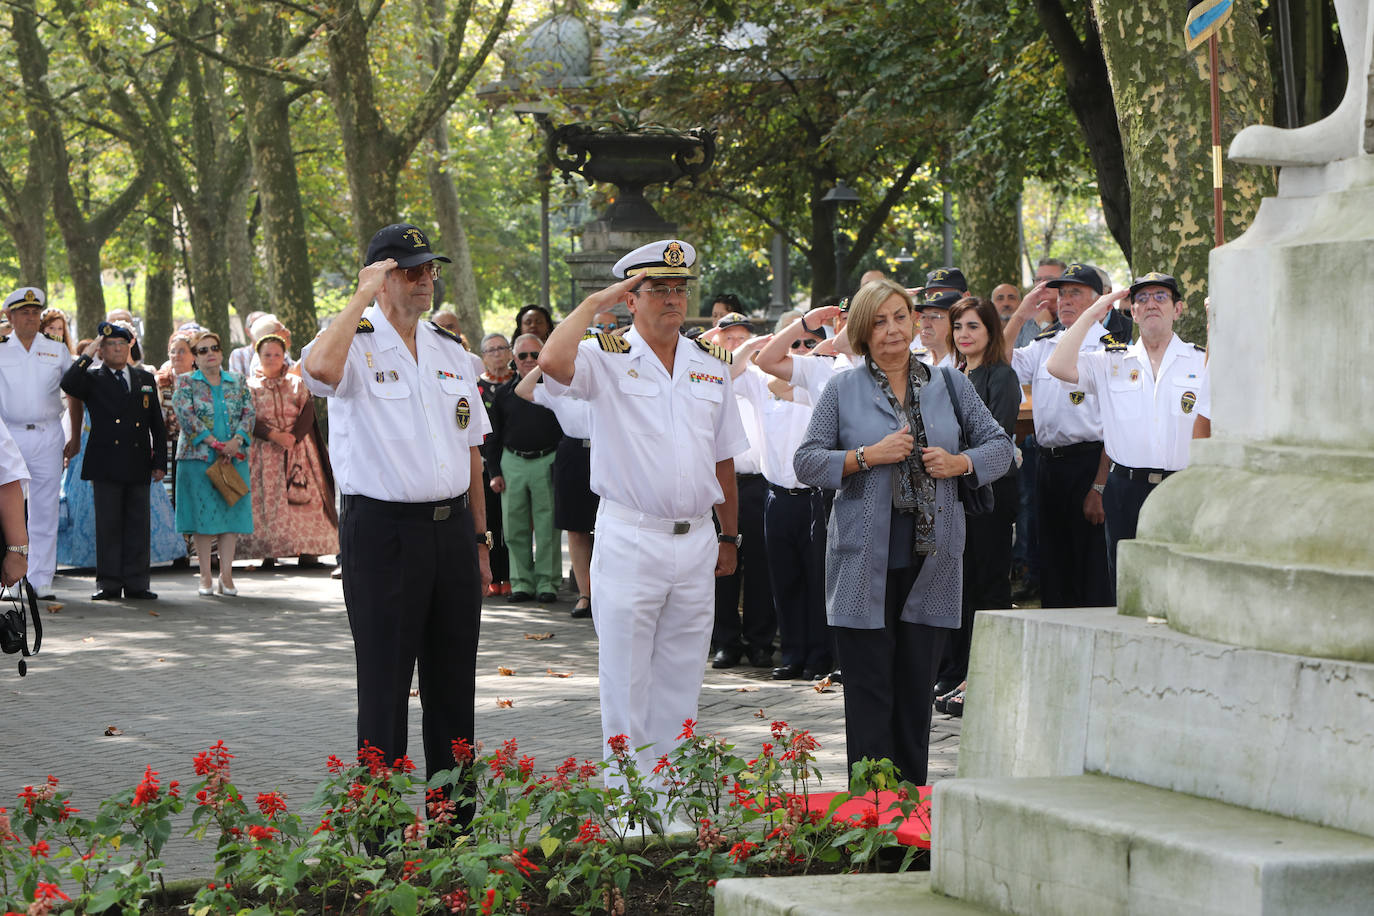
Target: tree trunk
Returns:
[83, 265]
[290, 286]
[989, 241]
[159, 274]
[1090, 97]
[1162, 99]
[243, 275]
[821, 256]
[26, 223]
[209, 269]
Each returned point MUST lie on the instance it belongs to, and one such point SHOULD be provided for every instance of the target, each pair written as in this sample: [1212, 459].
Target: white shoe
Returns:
[205, 592]
[221, 589]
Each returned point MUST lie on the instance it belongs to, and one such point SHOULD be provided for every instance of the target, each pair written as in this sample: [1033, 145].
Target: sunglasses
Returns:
[213, 348]
[810, 343]
[413, 274]
[605, 326]
[532, 354]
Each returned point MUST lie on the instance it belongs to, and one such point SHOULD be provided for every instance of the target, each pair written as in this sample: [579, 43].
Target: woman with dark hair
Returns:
[533, 319]
[885, 435]
[975, 335]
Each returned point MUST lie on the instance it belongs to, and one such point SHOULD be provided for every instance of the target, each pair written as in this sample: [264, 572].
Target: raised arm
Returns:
[329, 353]
[776, 357]
[559, 356]
[1037, 299]
[1063, 361]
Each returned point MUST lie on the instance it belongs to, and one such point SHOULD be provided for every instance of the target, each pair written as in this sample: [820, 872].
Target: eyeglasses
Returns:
[663, 291]
[810, 343]
[606, 326]
[1160, 296]
[532, 354]
[213, 348]
[492, 351]
[413, 274]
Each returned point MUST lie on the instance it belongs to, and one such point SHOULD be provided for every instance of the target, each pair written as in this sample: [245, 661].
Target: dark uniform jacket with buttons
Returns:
[128, 440]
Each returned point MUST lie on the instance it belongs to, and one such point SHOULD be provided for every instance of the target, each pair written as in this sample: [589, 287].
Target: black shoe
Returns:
[141, 595]
[545, 597]
[725, 658]
[517, 597]
[955, 705]
[760, 658]
[945, 686]
[787, 672]
[836, 677]
[581, 613]
[106, 594]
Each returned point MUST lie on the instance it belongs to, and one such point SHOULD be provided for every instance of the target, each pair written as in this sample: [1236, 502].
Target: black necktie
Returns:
[123, 382]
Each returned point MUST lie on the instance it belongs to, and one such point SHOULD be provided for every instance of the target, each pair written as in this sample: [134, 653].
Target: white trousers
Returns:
[653, 611]
[42, 451]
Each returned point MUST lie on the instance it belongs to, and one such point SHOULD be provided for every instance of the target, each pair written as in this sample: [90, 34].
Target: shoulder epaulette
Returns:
[716, 350]
[365, 326]
[612, 343]
[1047, 333]
[1111, 344]
[447, 333]
[4, 338]
[53, 337]
[1200, 348]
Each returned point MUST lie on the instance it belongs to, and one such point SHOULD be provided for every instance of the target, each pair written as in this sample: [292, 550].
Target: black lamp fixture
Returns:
[840, 196]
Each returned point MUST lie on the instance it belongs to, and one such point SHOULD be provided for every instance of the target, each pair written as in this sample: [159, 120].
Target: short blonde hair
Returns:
[863, 309]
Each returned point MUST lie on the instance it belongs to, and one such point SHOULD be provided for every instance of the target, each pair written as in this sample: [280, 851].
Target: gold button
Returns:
[116, 442]
[116, 419]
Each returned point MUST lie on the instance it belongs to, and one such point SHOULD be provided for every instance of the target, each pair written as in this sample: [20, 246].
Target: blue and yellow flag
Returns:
[1205, 20]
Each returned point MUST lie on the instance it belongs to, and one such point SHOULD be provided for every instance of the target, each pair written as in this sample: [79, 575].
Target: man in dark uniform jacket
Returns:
[127, 448]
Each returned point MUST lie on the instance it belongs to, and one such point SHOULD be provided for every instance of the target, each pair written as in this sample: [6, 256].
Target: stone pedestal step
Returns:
[1106, 847]
[839, 895]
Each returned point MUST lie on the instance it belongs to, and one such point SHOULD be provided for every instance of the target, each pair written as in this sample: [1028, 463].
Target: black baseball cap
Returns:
[1154, 278]
[1083, 274]
[735, 320]
[947, 278]
[404, 242]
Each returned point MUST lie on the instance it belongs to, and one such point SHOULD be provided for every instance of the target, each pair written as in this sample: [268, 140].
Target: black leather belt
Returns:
[1152, 475]
[739, 476]
[796, 491]
[1064, 451]
[435, 511]
[530, 456]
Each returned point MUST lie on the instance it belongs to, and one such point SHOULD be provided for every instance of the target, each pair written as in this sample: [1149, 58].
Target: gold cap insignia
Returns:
[1076, 397]
[29, 296]
[1188, 402]
[463, 413]
[415, 237]
[674, 256]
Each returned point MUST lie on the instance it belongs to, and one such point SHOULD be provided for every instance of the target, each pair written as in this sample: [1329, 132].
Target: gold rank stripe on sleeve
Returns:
[716, 350]
[365, 326]
[612, 343]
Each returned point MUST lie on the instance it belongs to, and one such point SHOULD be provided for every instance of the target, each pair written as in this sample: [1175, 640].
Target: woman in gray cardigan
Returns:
[885, 437]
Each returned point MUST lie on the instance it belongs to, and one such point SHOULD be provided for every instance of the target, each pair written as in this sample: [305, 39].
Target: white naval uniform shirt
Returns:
[749, 461]
[656, 438]
[31, 380]
[12, 466]
[812, 373]
[399, 430]
[574, 414]
[784, 427]
[1148, 422]
[1064, 414]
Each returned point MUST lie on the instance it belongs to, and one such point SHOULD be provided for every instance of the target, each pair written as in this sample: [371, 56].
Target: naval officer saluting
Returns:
[406, 420]
[665, 430]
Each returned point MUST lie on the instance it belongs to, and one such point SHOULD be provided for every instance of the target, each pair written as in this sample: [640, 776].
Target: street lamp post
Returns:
[840, 196]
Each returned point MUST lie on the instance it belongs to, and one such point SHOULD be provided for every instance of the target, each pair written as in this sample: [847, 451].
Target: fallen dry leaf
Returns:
[539, 636]
[551, 673]
[162, 659]
[823, 685]
[746, 690]
[760, 715]
[504, 704]
[54, 608]
[88, 639]
[504, 671]
[154, 614]
[111, 731]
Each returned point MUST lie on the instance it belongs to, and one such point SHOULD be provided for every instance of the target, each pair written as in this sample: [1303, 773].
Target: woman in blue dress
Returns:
[215, 410]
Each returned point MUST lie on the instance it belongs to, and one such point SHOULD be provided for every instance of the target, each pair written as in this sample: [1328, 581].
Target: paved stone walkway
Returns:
[271, 673]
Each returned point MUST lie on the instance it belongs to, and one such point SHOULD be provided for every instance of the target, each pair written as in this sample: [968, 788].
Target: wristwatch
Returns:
[21, 549]
[1099, 487]
[484, 539]
[736, 539]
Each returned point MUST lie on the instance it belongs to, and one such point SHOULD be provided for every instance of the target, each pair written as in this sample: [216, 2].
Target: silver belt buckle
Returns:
[442, 512]
[1155, 478]
[681, 527]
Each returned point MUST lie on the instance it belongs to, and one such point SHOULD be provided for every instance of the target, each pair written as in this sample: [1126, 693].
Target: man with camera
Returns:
[127, 448]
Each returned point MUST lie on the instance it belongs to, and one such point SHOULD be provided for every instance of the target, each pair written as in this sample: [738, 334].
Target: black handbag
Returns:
[14, 635]
[976, 500]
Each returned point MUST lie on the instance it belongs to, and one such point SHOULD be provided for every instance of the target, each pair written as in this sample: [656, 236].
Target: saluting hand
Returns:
[372, 277]
[890, 449]
[1099, 309]
[1036, 300]
[820, 315]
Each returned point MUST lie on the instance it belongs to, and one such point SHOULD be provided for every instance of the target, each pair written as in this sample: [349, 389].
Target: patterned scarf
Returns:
[913, 490]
